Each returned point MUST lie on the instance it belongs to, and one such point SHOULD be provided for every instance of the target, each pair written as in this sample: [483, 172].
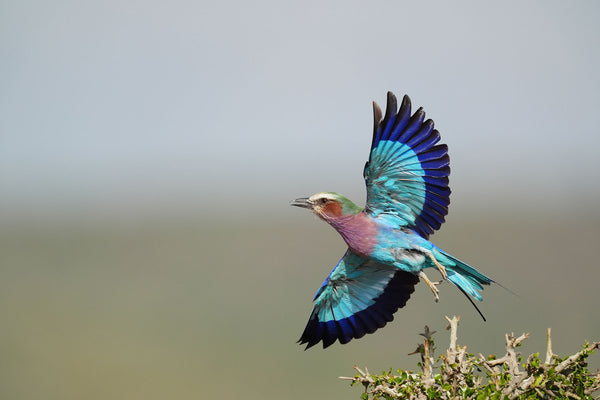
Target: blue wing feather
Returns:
[434, 153]
[428, 143]
[390, 119]
[345, 331]
[414, 124]
[359, 327]
[423, 133]
[358, 297]
[330, 333]
[403, 115]
[442, 182]
[437, 167]
[438, 195]
[407, 172]
[369, 323]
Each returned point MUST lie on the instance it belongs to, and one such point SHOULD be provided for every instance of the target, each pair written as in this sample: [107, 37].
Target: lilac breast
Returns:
[359, 232]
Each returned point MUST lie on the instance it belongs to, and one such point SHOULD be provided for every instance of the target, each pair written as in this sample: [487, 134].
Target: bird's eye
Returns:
[323, 200]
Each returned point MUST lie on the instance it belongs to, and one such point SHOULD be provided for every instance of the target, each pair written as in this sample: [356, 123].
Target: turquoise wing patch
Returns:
[407, 172]
[358, 297]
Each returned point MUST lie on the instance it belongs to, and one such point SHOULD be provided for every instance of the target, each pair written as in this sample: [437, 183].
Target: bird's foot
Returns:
[432, 285]
[439, 266]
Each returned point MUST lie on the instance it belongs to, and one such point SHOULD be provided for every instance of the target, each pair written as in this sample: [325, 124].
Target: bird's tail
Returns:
[463, 276]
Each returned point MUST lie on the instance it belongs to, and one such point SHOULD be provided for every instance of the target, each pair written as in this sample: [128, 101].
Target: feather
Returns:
[407, 172]
[372, 294]
[407, 177]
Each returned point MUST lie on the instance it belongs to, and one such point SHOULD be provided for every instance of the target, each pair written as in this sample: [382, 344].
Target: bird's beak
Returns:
[302, 202]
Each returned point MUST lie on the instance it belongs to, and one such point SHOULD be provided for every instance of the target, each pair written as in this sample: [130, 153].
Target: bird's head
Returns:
[328, 205]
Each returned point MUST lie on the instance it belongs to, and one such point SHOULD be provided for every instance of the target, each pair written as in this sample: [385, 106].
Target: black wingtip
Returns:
[377, 118]
[406, 103]
[391, 106]
[303, 341]
[377, 114]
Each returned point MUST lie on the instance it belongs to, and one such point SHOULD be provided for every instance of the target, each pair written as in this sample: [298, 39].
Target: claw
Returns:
[432, 285]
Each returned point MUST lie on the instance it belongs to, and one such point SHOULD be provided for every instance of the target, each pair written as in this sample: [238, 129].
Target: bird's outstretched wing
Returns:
[358, 297]
[407, 173]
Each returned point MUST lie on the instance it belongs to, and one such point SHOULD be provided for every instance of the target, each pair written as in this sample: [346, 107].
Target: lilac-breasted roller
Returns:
[388, 247]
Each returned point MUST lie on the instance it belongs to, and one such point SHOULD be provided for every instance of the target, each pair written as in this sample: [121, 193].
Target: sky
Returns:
[133, 110]
[112, 108]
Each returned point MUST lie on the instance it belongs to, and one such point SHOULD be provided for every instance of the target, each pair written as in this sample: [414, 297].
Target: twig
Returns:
[451, 352]
[458, 377]
[575, 357]
[549, 353]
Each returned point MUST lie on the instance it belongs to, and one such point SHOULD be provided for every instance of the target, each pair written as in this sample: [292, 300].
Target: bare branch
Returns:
[451, 352]
[569, 361]
[549, 353]
[462, 375]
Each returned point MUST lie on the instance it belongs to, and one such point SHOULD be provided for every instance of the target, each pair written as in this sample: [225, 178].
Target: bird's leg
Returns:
[437, 264]
[432, 285]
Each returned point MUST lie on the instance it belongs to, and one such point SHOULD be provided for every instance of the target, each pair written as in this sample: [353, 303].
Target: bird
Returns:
[408, 195]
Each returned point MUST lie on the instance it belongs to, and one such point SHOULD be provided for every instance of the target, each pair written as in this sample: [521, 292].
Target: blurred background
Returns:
[149, 151]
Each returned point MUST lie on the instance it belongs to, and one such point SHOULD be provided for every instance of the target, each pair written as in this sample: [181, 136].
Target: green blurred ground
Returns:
[198, 309]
